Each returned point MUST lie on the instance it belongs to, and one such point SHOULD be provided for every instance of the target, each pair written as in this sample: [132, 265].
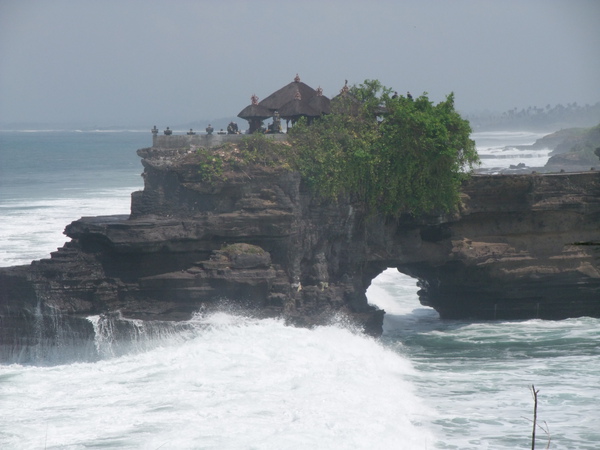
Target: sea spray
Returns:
[43, 336]
[501, 149]
[237, 383]
[115, 335]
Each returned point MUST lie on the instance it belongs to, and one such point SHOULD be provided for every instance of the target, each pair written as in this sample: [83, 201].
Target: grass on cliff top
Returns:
[253, 152]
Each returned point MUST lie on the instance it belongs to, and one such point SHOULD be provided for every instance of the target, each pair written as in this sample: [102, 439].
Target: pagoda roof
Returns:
[320, 103]
[255, 111]
[277, 99]
[297, 108]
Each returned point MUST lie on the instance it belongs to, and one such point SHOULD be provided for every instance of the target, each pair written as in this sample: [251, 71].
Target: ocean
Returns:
[230, 382]
[497, 150]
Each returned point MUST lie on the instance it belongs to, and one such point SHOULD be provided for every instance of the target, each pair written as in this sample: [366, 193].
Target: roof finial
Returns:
[320, 91]
[345, 89]
[297, 79]
[254, 99]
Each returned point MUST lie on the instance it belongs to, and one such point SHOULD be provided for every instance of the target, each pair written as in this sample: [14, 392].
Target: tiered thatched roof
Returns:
[255, 111]
[292, 101]
[320, 102]
[346, 102]
[296, 108]
[277, 99]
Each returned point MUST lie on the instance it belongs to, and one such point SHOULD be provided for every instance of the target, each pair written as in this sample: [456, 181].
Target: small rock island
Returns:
[258, 240]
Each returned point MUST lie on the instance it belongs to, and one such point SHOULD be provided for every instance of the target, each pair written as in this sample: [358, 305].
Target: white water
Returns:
[230, 382]
[497, 149]
[31, 229]
[477, 375]
[235, 383]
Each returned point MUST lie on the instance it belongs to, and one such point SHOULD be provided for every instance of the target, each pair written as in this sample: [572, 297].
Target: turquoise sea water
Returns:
[50, 178]
[231, 382]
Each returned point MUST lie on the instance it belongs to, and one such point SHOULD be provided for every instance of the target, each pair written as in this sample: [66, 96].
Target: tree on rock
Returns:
[394, 154]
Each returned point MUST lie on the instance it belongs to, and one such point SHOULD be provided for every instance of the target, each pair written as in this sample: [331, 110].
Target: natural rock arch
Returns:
[520, 246]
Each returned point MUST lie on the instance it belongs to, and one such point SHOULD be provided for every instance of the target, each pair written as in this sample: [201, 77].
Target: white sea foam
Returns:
[497, 149]
[239, 383]
[31, 229]
[502, 158]
[478, 375]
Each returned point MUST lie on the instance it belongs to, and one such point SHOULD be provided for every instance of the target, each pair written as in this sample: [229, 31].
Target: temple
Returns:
[290, 103]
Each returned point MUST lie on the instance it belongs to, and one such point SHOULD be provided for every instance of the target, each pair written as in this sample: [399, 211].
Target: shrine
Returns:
[290, 103]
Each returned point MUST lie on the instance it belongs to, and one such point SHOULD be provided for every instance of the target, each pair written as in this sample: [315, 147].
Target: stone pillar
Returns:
[154, 134]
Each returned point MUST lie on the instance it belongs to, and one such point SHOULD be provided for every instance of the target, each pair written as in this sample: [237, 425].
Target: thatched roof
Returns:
[321, 104]
[297, 108]
[347, 103]
[254, 111]
[277, 99]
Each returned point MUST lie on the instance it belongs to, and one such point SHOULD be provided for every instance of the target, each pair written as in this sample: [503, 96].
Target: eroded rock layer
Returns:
[521, 246]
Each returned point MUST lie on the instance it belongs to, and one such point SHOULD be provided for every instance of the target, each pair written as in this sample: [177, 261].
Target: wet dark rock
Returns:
[521, 246]
[575, 160]
[517, 166]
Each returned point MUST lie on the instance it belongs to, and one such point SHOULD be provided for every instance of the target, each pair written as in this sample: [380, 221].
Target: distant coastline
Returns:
[547, 119]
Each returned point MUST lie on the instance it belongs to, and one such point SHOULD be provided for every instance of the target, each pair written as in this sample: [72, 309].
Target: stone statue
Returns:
[232, 128]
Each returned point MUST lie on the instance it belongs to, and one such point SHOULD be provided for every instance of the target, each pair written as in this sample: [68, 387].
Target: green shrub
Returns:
[241, 248]
[210, 166]
[414, 160]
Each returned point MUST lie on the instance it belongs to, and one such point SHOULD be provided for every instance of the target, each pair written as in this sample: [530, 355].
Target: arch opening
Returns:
[396, 293]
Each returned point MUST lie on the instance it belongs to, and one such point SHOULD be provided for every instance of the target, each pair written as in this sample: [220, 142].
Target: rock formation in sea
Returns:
[520, 247]
[572, 149]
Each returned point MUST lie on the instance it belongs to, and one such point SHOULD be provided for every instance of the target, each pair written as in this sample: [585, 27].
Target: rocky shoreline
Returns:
[521, 246]
[572, 150]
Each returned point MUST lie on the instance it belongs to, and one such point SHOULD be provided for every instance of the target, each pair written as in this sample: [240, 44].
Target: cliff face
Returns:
[524, 246]
[521, 246]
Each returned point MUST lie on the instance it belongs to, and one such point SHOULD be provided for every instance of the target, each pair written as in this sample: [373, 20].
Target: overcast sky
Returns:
[128, 62]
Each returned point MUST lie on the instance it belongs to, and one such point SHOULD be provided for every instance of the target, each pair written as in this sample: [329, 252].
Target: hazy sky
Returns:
[170, 62]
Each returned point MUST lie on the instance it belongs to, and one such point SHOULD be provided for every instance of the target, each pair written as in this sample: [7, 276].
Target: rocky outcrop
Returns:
[525, 246]
[558, 142]
[521, 246]
[579, 140]
[572, 149]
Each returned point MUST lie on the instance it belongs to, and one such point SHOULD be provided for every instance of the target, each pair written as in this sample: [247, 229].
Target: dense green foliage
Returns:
[413, 160]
